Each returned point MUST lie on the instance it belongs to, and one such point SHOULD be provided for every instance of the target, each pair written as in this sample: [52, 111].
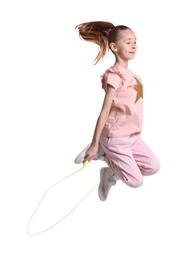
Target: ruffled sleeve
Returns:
[112, 77]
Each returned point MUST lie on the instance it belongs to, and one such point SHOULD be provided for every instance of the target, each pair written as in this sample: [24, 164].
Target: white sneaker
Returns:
[107, 180]
[80, 157]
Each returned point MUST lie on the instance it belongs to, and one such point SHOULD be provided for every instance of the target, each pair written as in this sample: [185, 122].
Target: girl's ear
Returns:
[113, 47]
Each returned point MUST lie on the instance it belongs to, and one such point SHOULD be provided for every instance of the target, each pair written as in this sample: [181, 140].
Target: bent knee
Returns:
[138, 183]
[157, 166]
[134, 182]
[153, 168]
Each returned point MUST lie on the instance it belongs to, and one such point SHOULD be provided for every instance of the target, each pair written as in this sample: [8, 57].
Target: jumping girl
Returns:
[116, 138]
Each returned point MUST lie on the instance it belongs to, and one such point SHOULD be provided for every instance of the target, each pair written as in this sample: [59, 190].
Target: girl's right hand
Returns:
[90, 153]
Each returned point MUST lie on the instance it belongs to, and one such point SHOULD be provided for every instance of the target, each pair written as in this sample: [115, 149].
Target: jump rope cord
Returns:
[42, 231]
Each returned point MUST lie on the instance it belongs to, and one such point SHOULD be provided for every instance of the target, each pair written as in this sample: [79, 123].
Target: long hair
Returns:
[100, 33]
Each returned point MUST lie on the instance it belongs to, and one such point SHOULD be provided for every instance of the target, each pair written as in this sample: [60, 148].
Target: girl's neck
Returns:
[123, 64]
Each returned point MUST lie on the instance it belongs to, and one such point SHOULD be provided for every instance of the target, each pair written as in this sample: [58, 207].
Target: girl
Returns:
[116, 138]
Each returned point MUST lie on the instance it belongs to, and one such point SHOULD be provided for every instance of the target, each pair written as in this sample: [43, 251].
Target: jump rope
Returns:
[69, 212]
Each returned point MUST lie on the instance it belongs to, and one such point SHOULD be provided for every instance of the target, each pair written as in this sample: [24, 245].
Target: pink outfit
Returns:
[128, 157]
[125, 117]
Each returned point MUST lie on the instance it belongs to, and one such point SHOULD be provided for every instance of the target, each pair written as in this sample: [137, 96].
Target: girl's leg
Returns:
[144, 157]
[120, 159]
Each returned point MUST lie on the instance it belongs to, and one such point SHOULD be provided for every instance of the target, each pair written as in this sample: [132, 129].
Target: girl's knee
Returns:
[134, 182]
[155, 166]
[138, 182]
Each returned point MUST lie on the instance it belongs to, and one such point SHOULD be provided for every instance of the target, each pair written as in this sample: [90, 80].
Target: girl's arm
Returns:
[92, 150]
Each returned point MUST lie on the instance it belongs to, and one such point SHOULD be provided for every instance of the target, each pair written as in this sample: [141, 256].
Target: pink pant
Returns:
[129, 158]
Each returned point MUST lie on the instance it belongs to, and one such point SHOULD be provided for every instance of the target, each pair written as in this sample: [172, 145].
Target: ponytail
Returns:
[96, 32]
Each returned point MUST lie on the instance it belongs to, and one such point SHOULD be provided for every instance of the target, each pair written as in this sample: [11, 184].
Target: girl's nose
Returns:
[134, 46]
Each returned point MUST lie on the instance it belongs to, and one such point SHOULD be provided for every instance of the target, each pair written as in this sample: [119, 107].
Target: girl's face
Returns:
[125, 47]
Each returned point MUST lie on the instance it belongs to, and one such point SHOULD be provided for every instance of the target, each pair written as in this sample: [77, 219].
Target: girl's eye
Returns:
[130, 42]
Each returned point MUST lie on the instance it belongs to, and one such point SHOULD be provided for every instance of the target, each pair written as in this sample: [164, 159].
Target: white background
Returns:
[50, 97]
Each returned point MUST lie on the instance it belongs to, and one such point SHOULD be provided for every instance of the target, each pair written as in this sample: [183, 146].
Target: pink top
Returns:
[125, 116]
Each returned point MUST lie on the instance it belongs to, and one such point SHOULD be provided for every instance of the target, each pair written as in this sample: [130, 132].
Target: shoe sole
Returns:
[100, 192]
[80, 157]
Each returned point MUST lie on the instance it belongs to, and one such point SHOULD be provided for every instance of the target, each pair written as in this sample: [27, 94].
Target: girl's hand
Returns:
[90, 153]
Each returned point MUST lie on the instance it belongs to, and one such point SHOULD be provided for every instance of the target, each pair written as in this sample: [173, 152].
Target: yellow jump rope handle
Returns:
[85, 163]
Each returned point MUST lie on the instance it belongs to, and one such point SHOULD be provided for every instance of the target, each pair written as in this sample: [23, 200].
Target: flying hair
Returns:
[101, 33]
[96, 32]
